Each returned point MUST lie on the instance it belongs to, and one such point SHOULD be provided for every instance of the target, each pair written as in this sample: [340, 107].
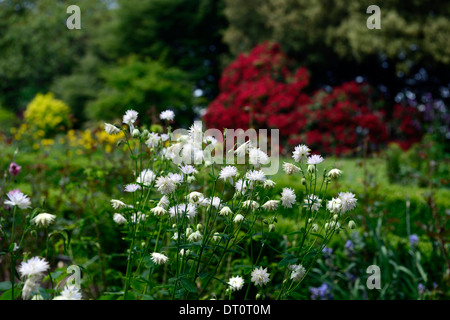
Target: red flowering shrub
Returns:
[340, 119]
[261, 90]
[406, 126]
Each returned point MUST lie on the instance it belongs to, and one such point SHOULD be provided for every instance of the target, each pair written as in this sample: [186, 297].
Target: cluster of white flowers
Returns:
[249, 200]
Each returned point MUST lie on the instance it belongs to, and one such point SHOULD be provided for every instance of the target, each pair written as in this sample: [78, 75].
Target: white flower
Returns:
[300, 153]
[332, 225]
[313, 201]
[158, 211]
[132, 187]
[196, 131]
[195, 197]
[239, 218]
[183, 252]
[258, 157]
[250, 204]
[119, 219]
[216, 237]
[225, 211]
[256, 175]
[177, 178]
[152, 140]
[298, 272]
[188, 169]
[314, 159]
[70, 292]
[17, 198]
[243, 148]
[334, 173]
[159, 258]
[165, 185]
[146, 177]
[287, 197]
[136, 218]
[189, 209]
[241, 186]
[269, 183]
[117, 204]
[31, 286]
[215, 202]
[211, 140]
[236, 283]
[348, 201]
[164, 202]
[164, 137]
[43, 219]
[227, 173]
[315, 227]
[168, 115]
[271, 205]
[290, 169]
[334, 205]
[260, 276]
[195, 236]
[111, 129]
[130, 117]
[33, 266]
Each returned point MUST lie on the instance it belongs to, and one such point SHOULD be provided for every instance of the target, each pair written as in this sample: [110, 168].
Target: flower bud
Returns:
[199, 226]
[311, 168]
[303, 181]
[271, 227]
[135, 133]
[145, 133]
[352, 224]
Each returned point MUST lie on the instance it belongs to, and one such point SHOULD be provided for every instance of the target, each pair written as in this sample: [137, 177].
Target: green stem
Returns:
[13, 257]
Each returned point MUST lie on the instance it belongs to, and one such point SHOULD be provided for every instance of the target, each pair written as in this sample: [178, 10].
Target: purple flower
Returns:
[321, 293]
[413, 240]
[421, 289]
[349, 245]
[14, 169]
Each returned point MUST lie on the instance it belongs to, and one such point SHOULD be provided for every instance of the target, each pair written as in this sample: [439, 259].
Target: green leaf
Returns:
[287, 260]
[7, 295]
[296, 296]
[5, 285]
[189, 285]
[107, 297]
[317, 235]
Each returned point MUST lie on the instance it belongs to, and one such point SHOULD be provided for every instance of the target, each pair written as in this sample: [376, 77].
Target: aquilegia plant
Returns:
[198, 229]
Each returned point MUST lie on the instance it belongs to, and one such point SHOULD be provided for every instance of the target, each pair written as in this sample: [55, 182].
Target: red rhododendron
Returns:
[261, 90]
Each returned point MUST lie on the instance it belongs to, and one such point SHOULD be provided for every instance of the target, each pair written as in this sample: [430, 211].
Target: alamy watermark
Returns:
[74, 21]
[374, 21]
[374, 280]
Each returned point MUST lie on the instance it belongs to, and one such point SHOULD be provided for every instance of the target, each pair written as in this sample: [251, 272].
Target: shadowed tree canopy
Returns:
[331, 38]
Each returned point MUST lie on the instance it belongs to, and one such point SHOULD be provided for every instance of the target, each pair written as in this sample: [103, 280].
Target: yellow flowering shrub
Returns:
[46, 113]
